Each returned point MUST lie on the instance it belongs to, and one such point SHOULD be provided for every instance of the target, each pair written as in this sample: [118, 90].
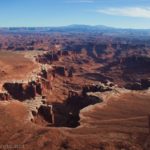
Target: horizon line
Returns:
[132, 28]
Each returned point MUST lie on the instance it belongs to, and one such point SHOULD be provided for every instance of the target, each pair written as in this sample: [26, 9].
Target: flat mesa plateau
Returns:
[14, 66]
[70, 91]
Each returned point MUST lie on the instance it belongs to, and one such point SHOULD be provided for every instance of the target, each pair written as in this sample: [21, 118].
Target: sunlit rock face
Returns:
[4, 96]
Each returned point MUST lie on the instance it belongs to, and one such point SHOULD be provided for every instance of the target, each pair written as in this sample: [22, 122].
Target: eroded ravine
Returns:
[32, 93]
[92, 111]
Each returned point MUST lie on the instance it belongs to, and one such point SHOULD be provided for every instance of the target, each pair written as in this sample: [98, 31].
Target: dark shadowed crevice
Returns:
[64, 114]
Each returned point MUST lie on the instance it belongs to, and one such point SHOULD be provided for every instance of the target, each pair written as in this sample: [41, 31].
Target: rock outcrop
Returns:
[29, 90]
[64, 114]
[64, 71]
[23, 91]
[51, 56]
[97, 88]
[143, 84]
[4, 96]
[60, 70]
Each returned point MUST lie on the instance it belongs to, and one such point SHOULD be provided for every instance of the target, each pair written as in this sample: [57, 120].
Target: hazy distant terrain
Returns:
[79, 29]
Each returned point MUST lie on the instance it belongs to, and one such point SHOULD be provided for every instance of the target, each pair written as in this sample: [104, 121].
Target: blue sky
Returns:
[116, 13]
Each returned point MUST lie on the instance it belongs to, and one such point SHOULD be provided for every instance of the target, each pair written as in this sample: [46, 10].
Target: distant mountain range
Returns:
[77, 29]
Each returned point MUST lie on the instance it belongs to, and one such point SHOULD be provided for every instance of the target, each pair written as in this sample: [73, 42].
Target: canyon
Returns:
[74, 91]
